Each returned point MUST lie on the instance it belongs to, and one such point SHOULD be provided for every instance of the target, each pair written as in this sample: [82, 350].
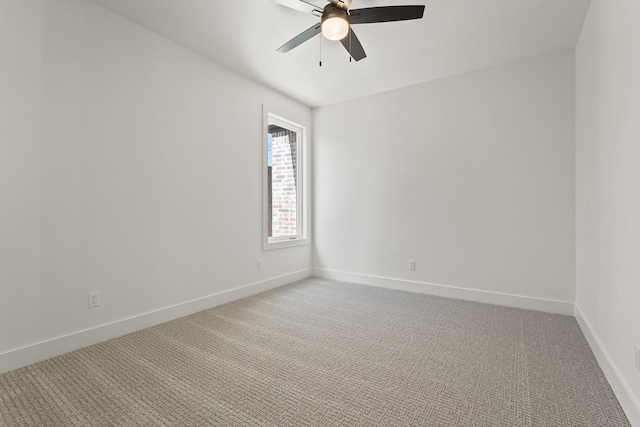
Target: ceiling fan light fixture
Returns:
[335, 23]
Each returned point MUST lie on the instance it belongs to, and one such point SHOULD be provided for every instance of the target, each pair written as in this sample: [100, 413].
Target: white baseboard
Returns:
[509, 300]
[19, 357]
[623, 392]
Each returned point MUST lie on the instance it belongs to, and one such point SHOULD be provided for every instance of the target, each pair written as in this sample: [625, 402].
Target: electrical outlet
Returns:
[259, 264]
[94, 299]
[412, 264]
[638, 357]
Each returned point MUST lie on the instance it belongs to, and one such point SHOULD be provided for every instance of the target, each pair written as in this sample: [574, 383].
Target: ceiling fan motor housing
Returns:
[342, 4]
[331, 11]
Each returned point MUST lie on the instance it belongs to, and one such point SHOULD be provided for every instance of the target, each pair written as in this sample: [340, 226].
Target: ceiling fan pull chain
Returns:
[350, 55]
[320, 50]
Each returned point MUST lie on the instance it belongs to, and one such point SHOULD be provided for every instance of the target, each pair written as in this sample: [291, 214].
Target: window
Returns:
[284, 176]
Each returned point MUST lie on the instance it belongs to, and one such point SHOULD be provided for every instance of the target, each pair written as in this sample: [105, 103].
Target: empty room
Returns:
[319, 213]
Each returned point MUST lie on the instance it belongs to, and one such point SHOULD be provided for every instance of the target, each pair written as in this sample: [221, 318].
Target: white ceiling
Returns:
[455, 36]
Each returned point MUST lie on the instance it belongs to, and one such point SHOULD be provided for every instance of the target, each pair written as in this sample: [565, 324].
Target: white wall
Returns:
[129, 165]
[472, 176]
[608, 190]
[20, 173]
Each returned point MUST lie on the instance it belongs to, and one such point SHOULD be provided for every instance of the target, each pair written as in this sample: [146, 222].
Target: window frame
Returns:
[273, 117]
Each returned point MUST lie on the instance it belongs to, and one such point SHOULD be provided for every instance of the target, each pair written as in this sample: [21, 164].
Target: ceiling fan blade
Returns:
[302, 6]
[353, 46]
[301, 38]
[370, 15]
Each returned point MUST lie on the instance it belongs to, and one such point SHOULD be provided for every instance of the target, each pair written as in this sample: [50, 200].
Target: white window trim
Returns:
[302, 237]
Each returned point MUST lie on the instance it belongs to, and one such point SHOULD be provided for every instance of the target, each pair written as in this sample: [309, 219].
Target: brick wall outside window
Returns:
[283, 184]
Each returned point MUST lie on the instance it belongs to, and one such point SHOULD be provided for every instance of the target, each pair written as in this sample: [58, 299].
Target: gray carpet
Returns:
[325, 353]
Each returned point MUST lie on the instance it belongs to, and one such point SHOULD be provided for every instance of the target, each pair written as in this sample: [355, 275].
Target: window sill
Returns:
[279, 244]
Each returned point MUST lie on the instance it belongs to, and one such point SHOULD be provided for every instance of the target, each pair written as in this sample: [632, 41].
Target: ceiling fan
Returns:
[336, 19]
